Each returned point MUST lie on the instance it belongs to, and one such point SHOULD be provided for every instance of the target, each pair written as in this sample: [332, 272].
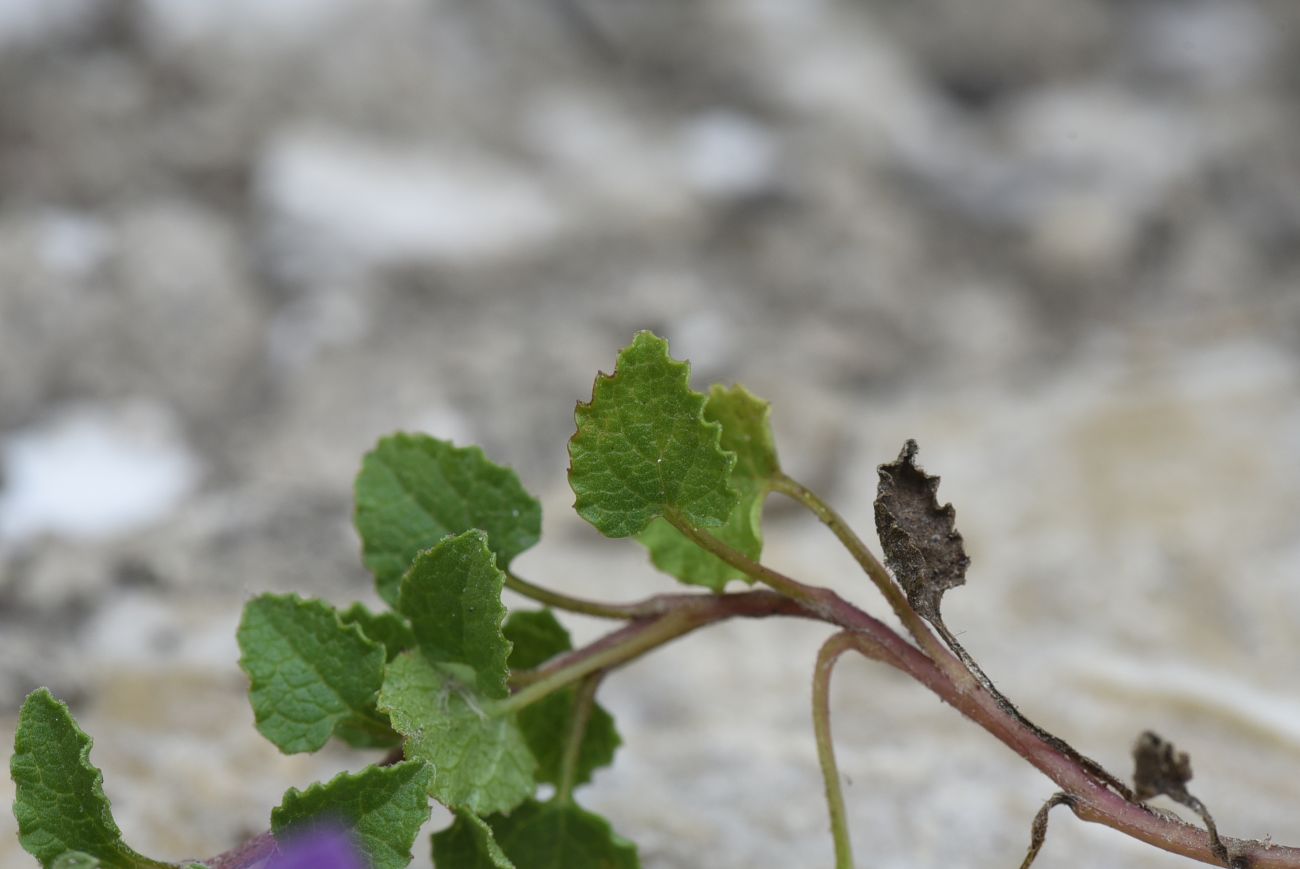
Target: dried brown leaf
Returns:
[925, 551]
[1159, 769]
[922, 545]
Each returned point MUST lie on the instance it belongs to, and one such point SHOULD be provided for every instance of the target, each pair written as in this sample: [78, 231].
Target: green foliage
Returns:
[382, 809]
[746, 432]
[550, 835]
[480, 759]
[643, 448]
[63, 815]
[440, 696]
[452, 596]
[439, 526]
[488, 706]
[387, 628]
[468, 844]
[538, 636]
[311, 676]
[413, 490]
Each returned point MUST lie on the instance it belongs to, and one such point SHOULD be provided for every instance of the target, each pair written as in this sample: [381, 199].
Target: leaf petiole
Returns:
[583, 704]
[809, 596]
[598, 609]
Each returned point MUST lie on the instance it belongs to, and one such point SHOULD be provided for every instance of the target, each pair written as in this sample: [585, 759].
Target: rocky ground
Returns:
[1058, 243]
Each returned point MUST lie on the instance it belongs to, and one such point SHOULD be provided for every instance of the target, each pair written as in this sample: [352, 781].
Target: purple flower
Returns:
[318, 848]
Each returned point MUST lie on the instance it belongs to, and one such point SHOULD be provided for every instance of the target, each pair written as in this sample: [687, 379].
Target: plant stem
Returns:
[646, 608]
[852, 542]
[638, 637]
[519, 585]
[580, 715]
[1093, 800]
[607, 653]
[812, 597]
[960, 667]
[821, 711]
[871, 565]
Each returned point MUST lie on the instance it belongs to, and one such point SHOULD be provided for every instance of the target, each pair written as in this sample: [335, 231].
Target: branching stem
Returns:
[1093, 799]
[662, 619]
[963, 670]
[876, 571]
[816, 599]
[853, 543]
[638, 637]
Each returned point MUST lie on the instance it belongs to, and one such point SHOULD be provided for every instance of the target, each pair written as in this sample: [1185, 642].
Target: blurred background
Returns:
[1056, 242]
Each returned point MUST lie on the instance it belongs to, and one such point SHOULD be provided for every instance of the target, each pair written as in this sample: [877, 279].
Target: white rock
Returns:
[94, 472]
[621, 164]
[72, 244]
[23, 22]
[343, 203]
[180, 23]
[728, 154]
[1218, 44]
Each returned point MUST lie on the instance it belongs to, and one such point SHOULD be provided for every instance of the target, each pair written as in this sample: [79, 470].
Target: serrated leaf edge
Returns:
[682, 369]
[497, 471]
[85, 743]
[348, 627]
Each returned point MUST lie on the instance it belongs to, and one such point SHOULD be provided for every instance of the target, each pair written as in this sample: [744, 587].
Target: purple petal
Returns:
[319, 848]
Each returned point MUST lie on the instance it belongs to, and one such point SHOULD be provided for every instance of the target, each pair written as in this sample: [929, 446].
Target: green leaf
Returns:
[535, 637]
[387, 628]
[382, 807]
[552, 835]
[413, 490]
[311, 676]
[481, 761]
[643, 449]
[545, 725]
[59, 798]
[746, 432]
[538, 636]
[468, 844]
[452, 596]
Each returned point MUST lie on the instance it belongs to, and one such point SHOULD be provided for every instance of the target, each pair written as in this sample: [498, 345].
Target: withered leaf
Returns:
[1159, 770]
[925, 552]
[922, 545]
